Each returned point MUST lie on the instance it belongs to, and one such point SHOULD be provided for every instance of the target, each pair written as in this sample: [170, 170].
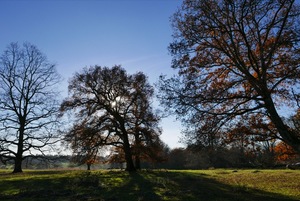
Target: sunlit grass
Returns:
[286, 182]
[175, 185]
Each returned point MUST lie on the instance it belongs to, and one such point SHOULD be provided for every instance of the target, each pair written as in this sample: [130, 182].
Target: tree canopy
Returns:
[117, 106]
[237, 60]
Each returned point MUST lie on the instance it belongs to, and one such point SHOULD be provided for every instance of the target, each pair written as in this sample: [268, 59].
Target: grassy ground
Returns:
[196, 185]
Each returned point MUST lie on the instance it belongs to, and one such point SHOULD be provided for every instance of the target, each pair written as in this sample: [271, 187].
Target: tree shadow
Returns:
[197, 187]
[138, 186]
[177, 186]
[34, 189]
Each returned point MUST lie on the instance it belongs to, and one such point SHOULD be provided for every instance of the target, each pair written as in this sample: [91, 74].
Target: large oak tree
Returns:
[235, 58]
[28, 103]
[117, 106]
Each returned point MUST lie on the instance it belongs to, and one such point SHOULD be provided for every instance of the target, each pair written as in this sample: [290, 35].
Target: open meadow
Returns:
[156, 185]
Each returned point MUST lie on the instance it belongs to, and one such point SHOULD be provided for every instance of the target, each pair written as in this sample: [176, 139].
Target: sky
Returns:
[75, 34]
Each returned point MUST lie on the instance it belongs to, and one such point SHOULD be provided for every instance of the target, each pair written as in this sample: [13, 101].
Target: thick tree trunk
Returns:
[19, 155]
[126, 145]
[287, 135]
[88, 166]
[128, 157]
[18, 164]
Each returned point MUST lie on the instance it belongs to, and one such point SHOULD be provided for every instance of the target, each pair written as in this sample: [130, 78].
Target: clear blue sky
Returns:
[78, 33]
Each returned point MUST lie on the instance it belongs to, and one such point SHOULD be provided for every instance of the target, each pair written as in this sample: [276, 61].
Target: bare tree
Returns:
[235, 58]
[28, 103]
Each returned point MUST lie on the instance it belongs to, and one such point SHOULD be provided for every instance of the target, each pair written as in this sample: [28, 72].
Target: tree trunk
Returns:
[126, 146]
[128, 155]
[18, 164]
[88, 166]
[19, 158]
[287, 135]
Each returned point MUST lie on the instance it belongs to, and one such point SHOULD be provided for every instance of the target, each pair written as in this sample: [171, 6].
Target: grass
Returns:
[186, 185]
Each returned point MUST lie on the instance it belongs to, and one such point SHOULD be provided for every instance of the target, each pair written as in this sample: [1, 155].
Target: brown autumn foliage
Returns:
[284, 152]
[234, 58]
[85, 143]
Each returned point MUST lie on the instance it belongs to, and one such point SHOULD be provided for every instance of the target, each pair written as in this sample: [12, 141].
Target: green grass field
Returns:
[193, 185]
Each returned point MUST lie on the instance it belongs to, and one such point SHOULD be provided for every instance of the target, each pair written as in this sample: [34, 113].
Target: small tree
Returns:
[28, 103]
[85, 143]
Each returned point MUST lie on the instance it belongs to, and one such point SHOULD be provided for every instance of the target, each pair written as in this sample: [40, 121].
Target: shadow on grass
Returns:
[138, 187]
[196, 187]
[123, 186]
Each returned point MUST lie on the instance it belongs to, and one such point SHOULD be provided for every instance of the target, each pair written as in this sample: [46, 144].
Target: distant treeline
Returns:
[177, 158]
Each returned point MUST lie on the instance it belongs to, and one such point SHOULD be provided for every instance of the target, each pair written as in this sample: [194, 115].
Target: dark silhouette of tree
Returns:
[234, 58]
[143, 123]
[116, 105]
[177, 158]
[28, 103]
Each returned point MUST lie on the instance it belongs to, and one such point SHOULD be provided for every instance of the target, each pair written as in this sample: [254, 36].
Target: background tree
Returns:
[284, 153]
[116, 104]
[28, 103]
[85, 142]
[235, 58]
[116, 158]
[177, 159]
